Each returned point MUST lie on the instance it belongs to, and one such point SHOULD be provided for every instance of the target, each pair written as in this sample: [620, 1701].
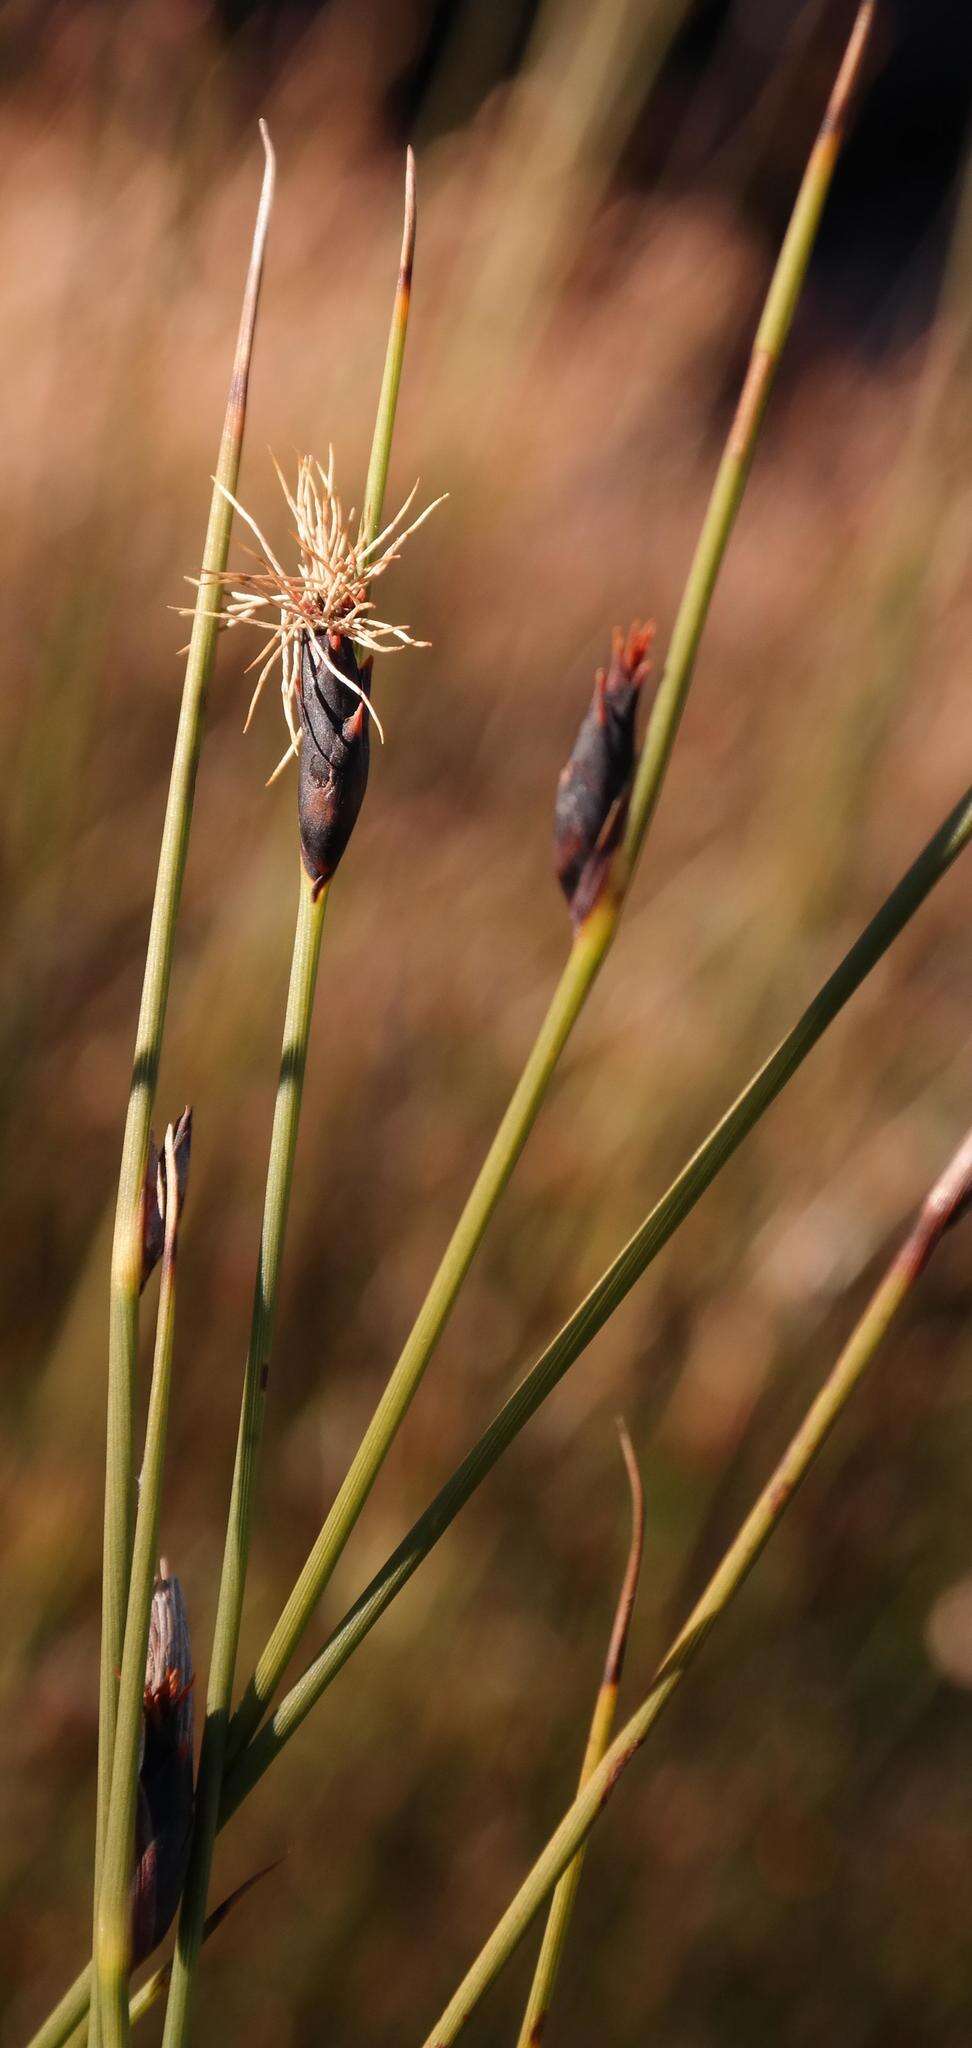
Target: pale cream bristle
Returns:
[328, 592]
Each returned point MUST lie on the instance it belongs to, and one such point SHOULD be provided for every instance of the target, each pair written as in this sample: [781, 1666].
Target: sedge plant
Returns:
[113, 1940]
[126, 1256]
[594, 934]
[323, 837]
[666, 1217]
[323, 667]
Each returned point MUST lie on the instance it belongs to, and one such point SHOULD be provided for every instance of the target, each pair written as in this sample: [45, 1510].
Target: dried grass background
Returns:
[790, 1861]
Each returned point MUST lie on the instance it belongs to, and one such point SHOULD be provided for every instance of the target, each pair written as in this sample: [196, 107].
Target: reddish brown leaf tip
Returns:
[219, 1913]
[951, 1196]
[838, 106]
[408, 230]
[614, 1662]
[632, 652]
[236, 400]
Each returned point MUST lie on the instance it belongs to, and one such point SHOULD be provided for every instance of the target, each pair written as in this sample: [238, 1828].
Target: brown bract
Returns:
[163, 1827]
[332, 767]
[593, 790]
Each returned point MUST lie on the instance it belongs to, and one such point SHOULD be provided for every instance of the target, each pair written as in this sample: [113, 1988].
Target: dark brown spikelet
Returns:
[335, 750]
[593, 791]
[163, 1827]
[153, 1210]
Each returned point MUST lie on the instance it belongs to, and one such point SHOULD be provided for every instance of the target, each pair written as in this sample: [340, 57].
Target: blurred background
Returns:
[602, 188]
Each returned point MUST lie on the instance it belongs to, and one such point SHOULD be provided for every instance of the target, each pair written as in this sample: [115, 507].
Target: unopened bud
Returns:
[335, 749]
[593, 791]
[163, 1827]
[153, 1208]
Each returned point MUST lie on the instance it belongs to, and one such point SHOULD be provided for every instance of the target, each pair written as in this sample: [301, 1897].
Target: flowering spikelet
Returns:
[163, 1826]
[327, 596]
[153, 1193]
[593, 790]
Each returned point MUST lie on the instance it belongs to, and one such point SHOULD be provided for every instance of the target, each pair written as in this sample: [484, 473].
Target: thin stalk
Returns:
[584, 960]
[592, 941]
[113, 1944]
[660, 1225]
[126, 1260]
[734, 467]
[654, 1233]
[300, 1003]
[283, 1144]
[562, 1904]
[946, 1201]
[381, 442]
[151, 1991]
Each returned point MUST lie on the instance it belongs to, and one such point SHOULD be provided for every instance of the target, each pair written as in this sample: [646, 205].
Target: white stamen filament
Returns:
[328, 594]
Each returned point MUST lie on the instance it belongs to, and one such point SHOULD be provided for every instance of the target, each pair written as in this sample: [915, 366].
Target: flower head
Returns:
[593, 790]
[327, 599]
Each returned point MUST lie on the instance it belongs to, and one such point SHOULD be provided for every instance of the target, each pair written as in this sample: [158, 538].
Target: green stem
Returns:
[654, 1233]
[126, 1259]
[562, 1904]
[283, 1142]
[151, 1991]
[114, 1924]
[303, 981]
[724, 1584]
[733, 471]
[582, 965]
[595, 937]
[374, 496]
[67, 2026]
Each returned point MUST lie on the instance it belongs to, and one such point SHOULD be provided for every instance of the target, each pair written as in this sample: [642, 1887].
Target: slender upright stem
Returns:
[283, 1144]
[534, 2024]
[114, 1924]
[947, 1199]
[734, 467]
[654, 1233]
[584, 960]
[126, 1259]
[594, 938]
[300, 1003]
[149, 1993]
[67, 2026]
[666, 1217]
[381, 442]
